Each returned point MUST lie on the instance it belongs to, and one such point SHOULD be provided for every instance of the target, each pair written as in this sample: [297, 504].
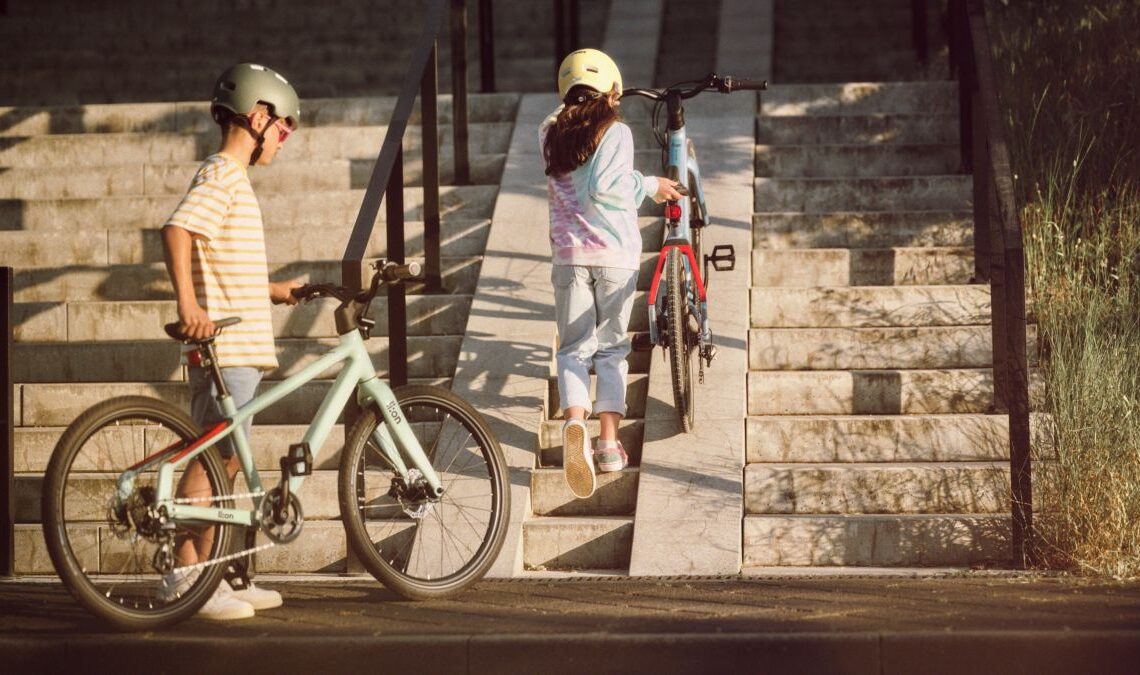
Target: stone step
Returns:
[878, 438]
[863, 267]
[877, 540]
[856, 161]
[152, 361]
[950, 487]
[877, 129]
[601, 542]
[636, 390]
[859, 98]
[150, 180]
[927, 347]
[863, 229]
[194, 117]
[902, 193]
[151, 282]
[284, 244]
[143, 320]
[58, 404]
[869, 306]
[306, 145]
[877, 392]
[320, 548]
[631, 433]
[616, 495]
[897, 63]
[286, 209]
[269, 443]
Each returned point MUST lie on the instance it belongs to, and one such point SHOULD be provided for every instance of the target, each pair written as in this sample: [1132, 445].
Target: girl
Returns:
[594, 194]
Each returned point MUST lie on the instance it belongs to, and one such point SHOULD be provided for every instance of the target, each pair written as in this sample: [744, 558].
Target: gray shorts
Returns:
[204, 409]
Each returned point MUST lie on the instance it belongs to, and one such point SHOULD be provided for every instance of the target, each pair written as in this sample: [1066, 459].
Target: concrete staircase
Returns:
[865, 438]
[80, 212]
[341, 48]
[869, 442]
[852, 41]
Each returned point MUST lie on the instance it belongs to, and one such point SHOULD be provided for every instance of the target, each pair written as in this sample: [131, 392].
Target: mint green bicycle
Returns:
[140, 517]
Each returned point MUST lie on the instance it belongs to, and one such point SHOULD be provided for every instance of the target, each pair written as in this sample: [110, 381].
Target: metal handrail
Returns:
[7, 426]
[387, 179]
[998, 248]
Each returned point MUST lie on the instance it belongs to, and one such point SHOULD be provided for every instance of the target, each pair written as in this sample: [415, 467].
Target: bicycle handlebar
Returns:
[725, 85]
[386, 273]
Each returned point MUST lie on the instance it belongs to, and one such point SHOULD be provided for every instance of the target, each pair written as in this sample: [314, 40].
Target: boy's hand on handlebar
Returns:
[667, 190]
[281, 292]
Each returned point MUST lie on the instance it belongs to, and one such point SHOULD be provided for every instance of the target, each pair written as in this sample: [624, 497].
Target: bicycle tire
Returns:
[103, 555]
[396, 541]
[679, 343]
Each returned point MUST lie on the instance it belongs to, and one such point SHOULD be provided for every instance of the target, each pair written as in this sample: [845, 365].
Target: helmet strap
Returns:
[258, 137]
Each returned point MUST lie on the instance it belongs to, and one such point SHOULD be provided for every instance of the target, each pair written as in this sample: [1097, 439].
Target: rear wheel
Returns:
[681, 340]
[115, 553]
[418, 546]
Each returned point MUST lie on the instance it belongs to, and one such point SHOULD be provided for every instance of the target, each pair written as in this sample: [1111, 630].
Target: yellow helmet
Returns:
[589, 67]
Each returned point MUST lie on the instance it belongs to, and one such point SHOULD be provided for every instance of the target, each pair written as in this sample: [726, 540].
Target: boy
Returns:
[214, 246]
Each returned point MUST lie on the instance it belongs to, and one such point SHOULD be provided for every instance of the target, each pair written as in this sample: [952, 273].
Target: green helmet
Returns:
[246, 84]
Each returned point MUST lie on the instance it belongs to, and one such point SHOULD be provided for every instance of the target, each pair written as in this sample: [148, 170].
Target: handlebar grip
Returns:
[396, 272]
[740, 84]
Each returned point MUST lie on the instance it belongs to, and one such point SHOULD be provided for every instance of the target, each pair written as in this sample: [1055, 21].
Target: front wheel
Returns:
[118, 554]
[681, 339]
[419, 546]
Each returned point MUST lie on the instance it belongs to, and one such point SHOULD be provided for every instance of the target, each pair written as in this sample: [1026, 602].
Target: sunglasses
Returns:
[283, 130]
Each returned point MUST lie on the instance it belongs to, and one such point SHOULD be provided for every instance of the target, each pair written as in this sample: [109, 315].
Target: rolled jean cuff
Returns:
[610, 407]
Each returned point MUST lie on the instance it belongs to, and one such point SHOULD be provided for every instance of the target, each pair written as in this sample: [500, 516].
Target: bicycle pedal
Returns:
[299, 460]
[709, 354]
[723, 258]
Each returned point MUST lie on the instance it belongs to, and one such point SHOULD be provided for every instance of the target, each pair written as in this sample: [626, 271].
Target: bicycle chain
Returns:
[232, 556]
[227, 558]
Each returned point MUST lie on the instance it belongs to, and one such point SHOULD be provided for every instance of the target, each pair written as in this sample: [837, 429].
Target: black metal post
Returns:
[560, 46]
[462, 163]
[983, 213]
[1011, 258]
[7, 425]
[429, 114]
[486, 47]
[575, 42]
[397, 297]
[920, 30]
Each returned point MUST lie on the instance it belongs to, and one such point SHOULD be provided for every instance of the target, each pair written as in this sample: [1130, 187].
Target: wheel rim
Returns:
[432, 542]
[111, 545]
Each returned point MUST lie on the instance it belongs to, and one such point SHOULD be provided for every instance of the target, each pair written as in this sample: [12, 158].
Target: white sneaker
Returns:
[578, 459]
[258, 598]
[223, 606]
[175, 583]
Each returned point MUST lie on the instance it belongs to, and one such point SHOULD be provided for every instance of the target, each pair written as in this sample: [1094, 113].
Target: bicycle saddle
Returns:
[172, 329]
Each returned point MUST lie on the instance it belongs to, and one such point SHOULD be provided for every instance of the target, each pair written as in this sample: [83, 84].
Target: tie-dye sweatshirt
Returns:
[593, 209]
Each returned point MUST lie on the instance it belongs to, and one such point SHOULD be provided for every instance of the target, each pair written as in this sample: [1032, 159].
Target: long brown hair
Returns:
[577, 130]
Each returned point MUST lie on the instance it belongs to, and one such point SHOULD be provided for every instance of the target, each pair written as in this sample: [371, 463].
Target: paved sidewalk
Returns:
[972, 622]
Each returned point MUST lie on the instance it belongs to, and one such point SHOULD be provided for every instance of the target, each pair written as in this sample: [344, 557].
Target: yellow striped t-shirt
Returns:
[228, 263]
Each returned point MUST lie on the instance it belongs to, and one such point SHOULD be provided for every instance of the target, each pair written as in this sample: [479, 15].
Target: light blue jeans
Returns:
[592, 307]
[204, 408]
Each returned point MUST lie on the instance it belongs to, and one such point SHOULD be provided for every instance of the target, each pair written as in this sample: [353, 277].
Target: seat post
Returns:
[215, 369]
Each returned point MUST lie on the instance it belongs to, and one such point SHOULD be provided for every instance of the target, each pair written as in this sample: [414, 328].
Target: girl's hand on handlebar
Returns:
[666, 190]
[281, 292]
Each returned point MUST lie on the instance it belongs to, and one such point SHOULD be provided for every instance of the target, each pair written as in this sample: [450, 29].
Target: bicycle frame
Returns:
[681, 163]
[357, 374]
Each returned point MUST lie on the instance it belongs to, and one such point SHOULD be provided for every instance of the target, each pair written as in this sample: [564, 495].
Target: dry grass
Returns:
[1069, 73]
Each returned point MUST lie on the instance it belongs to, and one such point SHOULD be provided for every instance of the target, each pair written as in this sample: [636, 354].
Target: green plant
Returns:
[1069, 77]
